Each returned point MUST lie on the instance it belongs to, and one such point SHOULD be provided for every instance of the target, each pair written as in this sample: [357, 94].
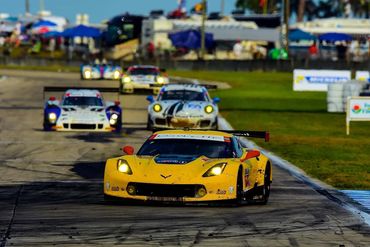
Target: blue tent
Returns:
[190, 39]
[298, 34]
[332, 37]
[81, 31]
[43, 23]
[52, 34]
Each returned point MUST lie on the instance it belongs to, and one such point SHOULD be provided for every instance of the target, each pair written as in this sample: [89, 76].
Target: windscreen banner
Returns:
[318, 80]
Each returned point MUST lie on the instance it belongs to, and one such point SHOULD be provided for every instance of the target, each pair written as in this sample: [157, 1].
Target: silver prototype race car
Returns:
[183, 105]
[82, 109]
[143, 77]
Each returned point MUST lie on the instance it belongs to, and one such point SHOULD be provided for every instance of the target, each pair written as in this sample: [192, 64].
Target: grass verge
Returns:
[302, 132]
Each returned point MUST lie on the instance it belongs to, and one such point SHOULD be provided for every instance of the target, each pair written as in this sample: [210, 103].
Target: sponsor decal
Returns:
[115, 188]
[246, 177]
[356, 109]
[194, 106]
[231, 189]
[165, 177]
[221, 192]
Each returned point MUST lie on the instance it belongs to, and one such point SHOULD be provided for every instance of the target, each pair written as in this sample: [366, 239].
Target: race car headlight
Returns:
[208, 109]
[157, 108]
[116, 74]
[113, 119]
[52, 117]
[215, 170]
[126, 79]
[122, 166]
[160, 79]
[87, 74]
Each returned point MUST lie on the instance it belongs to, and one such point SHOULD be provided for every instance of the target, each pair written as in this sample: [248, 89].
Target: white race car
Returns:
[82, 109]
[145, 77]
[182, 105]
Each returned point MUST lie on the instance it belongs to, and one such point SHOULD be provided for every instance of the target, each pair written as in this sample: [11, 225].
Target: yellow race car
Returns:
[190, 166]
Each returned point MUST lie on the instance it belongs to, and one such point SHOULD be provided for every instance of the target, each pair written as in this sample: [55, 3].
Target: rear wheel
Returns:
[265, 192]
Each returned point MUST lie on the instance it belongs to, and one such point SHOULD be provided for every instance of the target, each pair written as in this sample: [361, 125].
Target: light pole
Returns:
[203, 30]
[286, 22]
[27, 6]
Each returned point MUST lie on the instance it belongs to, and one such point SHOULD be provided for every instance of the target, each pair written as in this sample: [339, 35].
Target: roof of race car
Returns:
[82, 93]
[190, 87]
[191, 134]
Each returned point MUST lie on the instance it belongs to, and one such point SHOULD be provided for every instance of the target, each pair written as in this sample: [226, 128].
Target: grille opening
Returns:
[166, 190]
[100, 126]
[205, 123]
[160, 121]
[66, 126]
[83, 126]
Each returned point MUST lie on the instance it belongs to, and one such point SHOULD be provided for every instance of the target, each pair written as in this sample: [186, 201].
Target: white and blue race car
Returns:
[183, 105]
[98, 71]
[82, 109]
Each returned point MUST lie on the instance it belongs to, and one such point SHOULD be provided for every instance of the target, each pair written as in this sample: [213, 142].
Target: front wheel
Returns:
[239, 189]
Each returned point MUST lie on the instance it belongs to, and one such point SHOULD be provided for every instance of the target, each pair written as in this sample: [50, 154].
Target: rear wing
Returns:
[100, 89]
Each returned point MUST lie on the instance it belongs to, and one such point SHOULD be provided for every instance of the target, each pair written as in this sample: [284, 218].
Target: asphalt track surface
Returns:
[51, 189]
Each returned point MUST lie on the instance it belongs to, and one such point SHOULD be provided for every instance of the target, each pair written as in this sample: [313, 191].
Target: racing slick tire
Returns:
[265, 190]
[239, 189]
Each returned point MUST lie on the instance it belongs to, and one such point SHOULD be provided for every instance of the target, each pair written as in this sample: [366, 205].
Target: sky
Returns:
[99, 10]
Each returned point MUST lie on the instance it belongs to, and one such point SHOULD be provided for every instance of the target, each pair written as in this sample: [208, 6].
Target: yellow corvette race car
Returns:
[190, 166]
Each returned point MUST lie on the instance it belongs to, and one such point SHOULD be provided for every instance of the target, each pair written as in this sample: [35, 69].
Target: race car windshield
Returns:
[185, 95]
[142, 71]
[187, 147]
[82, 101]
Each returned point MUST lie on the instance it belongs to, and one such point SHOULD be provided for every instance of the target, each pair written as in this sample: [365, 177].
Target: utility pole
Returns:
[286, 22]
[42, 5]
[28, 7]
[203, 30]
[222, 8]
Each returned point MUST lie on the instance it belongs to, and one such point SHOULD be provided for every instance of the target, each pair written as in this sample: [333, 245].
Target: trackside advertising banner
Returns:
[318, 80]
[363, 76]
[358, 109]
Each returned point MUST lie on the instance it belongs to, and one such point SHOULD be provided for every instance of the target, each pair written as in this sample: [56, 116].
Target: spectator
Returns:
[238, 49]
[341, 50]
[150, 49]
[313, 51]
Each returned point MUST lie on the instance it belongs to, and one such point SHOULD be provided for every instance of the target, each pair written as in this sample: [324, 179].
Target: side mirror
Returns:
[129, 150]
[250, 154]
[150, 98]
[216, 100]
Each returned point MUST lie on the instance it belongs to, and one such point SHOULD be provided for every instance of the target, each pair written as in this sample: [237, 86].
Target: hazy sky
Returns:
[104, 9]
